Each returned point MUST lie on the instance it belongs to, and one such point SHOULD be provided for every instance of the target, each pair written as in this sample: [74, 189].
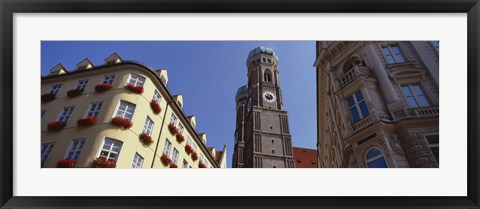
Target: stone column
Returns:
[382, 76]
[431, 64]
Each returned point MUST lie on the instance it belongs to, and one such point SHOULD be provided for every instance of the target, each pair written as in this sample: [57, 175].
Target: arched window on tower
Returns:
[375, 159]
[267, 76]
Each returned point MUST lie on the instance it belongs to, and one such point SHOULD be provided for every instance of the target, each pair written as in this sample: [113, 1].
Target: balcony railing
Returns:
[423, 112]
[364, 122]
[350, 75]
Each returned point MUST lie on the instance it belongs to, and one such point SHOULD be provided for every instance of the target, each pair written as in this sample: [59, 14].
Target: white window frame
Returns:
[173, 119]
[175, 155]
[137, 161]
[108, 79]
[55, 88]
[75, 148]
[167, 147]
[66, 113]
[394, 55]
[148, 126]
[97, 106]
[124, 112]
[180, 128]
[46, 152]
[110, 149]
[357, 106]
[157, 96]
[415, 96]
[185, 164]
[195, 147]
[437, 145]
[82, 84]
[136, 80]
[376, 157]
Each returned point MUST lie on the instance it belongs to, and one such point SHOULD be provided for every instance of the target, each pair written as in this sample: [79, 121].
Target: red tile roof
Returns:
[305, 158]
[218, 156]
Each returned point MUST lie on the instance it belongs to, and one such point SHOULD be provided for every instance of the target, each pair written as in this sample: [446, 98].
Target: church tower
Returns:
[262, 135]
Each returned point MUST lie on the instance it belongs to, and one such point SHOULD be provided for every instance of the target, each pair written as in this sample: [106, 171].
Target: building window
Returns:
[435, 44]
[136, 80]
[43, 113]
[357, 106]
[393, 54]
[264, 60]
[175, 156]
[66, 113]
[194, 147]
[166, 149]
[415, 96]
[82, 84]
[148, 126]
[55, 88]
[173, 119]
[137, 161]
[180, 128]
[269, 60]
[94, 109]
[267, 76]
[125, 110]
[375, 159]
[185, 164]
[189, 140]
[108, 79]
[45, 151]
[111, 149]
[75, 148]
[433, 142]
[157, 97]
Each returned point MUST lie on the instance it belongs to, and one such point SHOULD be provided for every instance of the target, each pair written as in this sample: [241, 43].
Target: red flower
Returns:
[74, 92]
[101, 162]
[66, 163]
[155, 107]
[173, 130]
[48, 97]
[166, 160]
[194, 156]
[135, 89]
[121, 123]
[145, 139]
[201, 165]
[180, 138]
[173, 165]
[188, 149]
[55, 126]
[88, 121]
[103, 87]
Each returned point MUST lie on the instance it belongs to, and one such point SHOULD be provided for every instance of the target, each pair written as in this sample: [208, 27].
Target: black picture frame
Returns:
[10, 7]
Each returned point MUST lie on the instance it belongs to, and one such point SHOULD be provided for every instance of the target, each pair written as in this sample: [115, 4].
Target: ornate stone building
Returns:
[378, 103]
[262, 136]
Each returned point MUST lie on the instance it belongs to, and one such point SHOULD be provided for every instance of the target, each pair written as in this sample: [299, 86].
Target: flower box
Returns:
[173, 130]
[134, 89]
[201, 165]
[88, 121]
[194, 156]
[103, 163]
[155, 107]
[55, 126]
[165, 160]
[173, 165]
[66, 163]
[74, 92]
[48, 97]
[103, 87]
[180, 138]
[188, 149]
[121, 123]
[145, 139]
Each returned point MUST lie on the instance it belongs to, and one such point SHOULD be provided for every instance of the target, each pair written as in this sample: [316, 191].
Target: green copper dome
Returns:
[241, 90]
[261, 50]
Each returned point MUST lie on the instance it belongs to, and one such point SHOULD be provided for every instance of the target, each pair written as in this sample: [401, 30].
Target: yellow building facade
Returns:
[71, 99]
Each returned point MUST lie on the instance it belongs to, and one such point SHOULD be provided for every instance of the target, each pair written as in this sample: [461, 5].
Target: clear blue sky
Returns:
[208, 74]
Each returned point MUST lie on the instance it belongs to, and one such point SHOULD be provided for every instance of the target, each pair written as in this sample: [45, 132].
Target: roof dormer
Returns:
[203, 137]
[84, 64]
[179, 100]
[59, 69]
[113, 59]
[193, 121]
[162, 73]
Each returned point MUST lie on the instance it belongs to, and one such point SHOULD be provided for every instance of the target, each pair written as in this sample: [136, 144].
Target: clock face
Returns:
[269, 96]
